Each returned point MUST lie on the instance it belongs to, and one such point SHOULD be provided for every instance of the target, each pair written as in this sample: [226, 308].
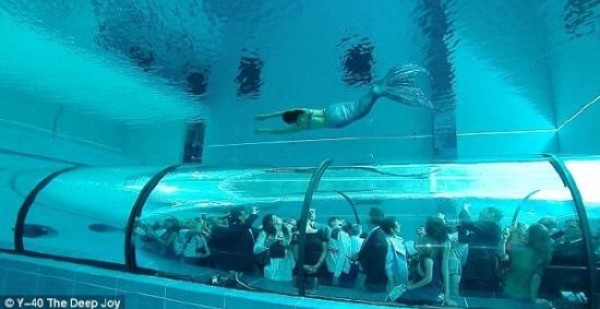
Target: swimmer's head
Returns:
[292, 116]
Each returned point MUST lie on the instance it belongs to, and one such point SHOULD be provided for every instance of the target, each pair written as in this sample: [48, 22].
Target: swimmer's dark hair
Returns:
[291, 116]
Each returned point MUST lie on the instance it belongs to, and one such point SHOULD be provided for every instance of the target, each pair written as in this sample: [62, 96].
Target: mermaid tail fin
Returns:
[399, 85]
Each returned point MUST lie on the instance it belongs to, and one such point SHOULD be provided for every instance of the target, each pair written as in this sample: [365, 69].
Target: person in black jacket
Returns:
[372, 255]
[481, 273]
[232, 245]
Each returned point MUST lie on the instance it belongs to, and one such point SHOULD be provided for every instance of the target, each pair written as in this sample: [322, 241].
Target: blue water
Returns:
[147, 63]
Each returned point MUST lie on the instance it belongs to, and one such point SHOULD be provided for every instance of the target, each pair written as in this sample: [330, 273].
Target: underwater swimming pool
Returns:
[138, 159]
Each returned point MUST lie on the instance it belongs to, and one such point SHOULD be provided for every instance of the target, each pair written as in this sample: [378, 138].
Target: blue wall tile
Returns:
[49, 285]
[127, 285]
[87, 289]
[57, 272]
[173, 304]
[2, 279]
[12, 263]
[307, 303]
[17, 282]
[197, 294]
[251, 300]
[144, 301]
[96, 279]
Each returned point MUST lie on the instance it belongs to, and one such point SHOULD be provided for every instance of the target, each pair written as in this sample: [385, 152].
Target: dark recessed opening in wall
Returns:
[197, 82]
[358, 63]
[249, 76]
[194, 142]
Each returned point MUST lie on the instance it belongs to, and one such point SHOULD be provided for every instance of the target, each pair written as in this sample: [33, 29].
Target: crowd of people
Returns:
[446, 260]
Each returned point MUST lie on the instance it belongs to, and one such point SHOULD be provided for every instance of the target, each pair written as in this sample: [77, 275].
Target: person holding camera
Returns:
[273, 249]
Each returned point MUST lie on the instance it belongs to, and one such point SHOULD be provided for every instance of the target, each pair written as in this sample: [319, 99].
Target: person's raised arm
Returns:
[260, 245]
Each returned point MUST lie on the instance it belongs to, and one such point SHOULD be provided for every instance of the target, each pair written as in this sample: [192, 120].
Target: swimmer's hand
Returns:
[261, 117]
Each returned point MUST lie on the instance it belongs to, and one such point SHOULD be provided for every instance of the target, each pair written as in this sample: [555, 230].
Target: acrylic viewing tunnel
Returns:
[98, 216]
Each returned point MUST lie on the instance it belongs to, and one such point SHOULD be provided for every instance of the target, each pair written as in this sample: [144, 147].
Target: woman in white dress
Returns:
[274, 241]
[396, 264]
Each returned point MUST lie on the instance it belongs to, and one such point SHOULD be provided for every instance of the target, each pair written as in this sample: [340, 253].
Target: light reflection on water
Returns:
[185, 43]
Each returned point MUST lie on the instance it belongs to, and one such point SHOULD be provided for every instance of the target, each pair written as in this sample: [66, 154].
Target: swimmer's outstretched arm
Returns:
[270, 115]
[279, 131]
[278, 114]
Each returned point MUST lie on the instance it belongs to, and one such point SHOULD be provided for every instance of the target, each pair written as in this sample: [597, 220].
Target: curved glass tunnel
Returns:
[197, 223]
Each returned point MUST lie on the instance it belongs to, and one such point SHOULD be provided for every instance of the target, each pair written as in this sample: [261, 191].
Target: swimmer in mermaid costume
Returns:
[398, 85]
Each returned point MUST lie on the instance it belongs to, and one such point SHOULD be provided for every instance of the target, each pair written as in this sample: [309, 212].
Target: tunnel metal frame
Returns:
[136, 211]
[312, 187]
[569, 182]
[20, 222]
[28, 202]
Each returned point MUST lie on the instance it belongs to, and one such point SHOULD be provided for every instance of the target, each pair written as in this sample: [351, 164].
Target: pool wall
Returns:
[27, 276]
